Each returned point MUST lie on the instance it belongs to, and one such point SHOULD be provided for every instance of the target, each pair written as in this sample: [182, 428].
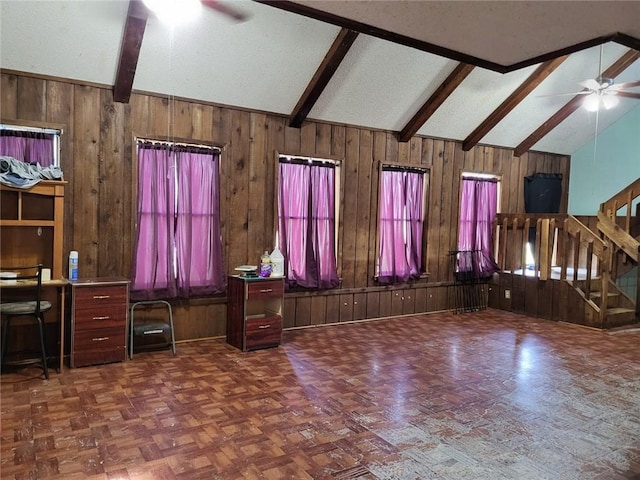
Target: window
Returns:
[402, 208]
[178, 250]
[31, 144]
[307, 219]
[478, 208]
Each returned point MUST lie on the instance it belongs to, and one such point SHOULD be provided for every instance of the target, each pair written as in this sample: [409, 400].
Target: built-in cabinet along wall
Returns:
[98, 161]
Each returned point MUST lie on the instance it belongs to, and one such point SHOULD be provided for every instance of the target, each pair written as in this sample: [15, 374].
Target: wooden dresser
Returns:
[254, 312]
[98, 321]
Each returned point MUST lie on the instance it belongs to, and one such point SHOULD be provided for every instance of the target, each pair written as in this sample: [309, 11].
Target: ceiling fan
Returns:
[604, 92]
[172, 11]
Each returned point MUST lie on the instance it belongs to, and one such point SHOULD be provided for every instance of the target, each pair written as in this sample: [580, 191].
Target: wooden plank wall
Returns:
[99, 163]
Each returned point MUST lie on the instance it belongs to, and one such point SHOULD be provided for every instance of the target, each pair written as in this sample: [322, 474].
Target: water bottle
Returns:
[73, 265]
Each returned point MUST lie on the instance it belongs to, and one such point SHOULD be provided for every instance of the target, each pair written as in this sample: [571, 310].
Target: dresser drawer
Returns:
[93, 347]
[113, 316]
[263, 332]
[97, 356]
[265, 289]
[98, 338]
[100, 296]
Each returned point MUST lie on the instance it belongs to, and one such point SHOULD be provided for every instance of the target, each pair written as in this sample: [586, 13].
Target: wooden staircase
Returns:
[582, 262]
[620, 228]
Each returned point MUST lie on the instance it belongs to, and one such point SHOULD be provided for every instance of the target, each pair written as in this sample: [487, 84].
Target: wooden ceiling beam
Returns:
[572, 105]
[323, 75]
[535, 79]
[135, 24]
[443, 92]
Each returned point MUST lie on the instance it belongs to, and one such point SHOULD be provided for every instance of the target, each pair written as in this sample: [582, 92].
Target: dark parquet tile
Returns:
[488, 395]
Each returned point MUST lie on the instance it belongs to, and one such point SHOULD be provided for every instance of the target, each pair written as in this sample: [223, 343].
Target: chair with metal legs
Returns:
[151, 331]
[25, 284]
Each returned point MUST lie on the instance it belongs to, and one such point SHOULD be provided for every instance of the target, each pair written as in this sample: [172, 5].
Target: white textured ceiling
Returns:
[266, 62]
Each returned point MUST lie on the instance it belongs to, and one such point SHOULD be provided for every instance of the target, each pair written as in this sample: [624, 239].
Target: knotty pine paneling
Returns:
[98, 158]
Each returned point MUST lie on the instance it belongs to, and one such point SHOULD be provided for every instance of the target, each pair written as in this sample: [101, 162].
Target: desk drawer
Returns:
[100, 296]
[265, 289]
[96, 346]
[263, 332]
[108, 317]
[98, 338]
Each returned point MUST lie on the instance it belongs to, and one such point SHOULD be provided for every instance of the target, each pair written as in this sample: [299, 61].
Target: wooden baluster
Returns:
[564, 255]
[576, 257]
[545, 260]
[604, 285]
[627, 223]
[589, 263]
[523, 245]
[537, 249]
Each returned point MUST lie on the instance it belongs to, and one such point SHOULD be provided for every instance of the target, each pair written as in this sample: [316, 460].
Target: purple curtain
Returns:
[306, 233]
[178, 250]
[478, 206]
[153, 272]
[198, 238]
[401, 225]
[30, 147]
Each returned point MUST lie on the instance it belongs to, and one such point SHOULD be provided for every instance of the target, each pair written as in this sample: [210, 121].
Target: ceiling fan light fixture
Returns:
[591, 102]
[174, 12]
[610, 101]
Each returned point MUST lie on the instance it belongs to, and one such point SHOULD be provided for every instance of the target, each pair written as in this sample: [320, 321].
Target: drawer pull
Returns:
[266, 290]
[101, 318]
[100, 297]
[99, 339]
[264, 326]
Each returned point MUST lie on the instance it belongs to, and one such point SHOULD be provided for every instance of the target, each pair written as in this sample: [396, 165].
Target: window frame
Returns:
[160, 140]
[338, 202]
[479, 175]
[38, 127]
[426, 184]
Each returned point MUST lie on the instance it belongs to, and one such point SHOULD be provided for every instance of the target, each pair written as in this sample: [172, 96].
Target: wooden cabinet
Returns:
[254, 312]
[98, 321]
[32, 223]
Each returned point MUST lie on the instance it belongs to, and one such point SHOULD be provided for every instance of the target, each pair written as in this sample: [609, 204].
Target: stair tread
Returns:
[599, 294]
[615, 310]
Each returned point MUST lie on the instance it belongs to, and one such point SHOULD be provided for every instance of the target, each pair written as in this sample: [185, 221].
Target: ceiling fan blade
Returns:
[619, 86]
[581, 92]
[591, 84]
[225, 10]
[627, 94]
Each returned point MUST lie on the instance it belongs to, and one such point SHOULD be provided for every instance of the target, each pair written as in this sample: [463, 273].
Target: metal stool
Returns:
[155, 328]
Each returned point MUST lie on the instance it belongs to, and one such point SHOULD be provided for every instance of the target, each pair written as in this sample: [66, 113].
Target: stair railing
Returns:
[623, 199]
[617, 230]
[561, 241]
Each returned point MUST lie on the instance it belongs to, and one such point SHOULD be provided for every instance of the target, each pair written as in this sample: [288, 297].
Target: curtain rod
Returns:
[16, 128]
[308, 160]
[179, 144]
[405, 168]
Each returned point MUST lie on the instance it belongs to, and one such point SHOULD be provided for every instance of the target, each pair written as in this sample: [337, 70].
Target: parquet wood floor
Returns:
[487, 395]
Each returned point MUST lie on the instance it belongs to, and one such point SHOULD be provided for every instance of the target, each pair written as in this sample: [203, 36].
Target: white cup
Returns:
[46, 274]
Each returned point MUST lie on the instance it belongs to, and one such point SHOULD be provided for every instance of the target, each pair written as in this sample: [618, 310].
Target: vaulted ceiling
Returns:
[474, 71]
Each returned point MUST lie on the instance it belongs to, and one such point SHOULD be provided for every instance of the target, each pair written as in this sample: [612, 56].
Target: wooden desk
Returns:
[61, 285]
